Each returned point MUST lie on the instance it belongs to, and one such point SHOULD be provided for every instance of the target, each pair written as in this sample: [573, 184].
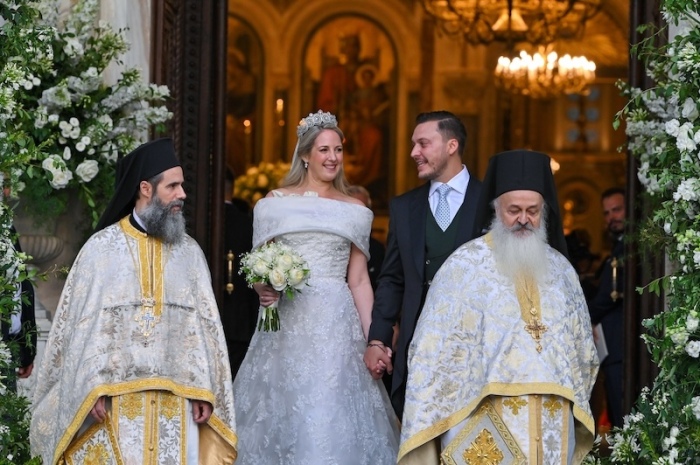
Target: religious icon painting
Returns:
[350, 71]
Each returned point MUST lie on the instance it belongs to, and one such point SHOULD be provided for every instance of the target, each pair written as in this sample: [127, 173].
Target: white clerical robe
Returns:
[511, 373]
[137, 322]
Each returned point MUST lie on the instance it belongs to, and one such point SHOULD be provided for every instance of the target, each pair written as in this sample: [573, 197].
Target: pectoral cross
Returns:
[147, 320]
[536, 328]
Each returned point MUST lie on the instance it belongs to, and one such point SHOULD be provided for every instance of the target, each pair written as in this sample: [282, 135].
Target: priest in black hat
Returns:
[502, 361]
[136, 364]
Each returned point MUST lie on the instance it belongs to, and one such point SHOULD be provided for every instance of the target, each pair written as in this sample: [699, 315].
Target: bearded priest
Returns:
[502, 362]
[136, 369]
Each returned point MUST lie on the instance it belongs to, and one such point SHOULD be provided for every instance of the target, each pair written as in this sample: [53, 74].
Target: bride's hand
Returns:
[268, 295]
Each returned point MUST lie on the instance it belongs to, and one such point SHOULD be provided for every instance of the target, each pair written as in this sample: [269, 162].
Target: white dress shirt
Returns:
[455, 196]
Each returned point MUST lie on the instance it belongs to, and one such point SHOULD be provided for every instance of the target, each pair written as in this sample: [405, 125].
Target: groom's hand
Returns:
[378, 359]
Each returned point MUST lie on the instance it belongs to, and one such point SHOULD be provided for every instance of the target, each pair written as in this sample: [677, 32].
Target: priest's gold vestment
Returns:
[137, 322]
[476, 343]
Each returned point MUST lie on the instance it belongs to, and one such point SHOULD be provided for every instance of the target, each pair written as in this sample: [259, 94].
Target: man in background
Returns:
[606, 307]
[376, 248]
[20, 330]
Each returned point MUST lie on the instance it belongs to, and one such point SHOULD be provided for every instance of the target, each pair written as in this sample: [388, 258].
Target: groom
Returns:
[426, 225]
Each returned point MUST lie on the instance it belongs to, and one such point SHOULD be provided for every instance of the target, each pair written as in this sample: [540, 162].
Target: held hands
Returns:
[268, 295]
[378, 359]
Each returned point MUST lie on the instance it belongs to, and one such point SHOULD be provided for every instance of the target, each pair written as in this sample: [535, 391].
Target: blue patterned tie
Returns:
[442, 212]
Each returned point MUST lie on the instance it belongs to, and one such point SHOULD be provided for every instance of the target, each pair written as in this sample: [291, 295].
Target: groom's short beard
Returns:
[162, 222]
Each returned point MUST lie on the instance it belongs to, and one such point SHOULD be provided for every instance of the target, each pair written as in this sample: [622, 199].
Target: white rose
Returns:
[61, 179]
[74, 122]
[690, 109]
[284, 262]
[277, 279]
[66, 153]
[80, 147]
[260, 268]
[53, 118]
[693, 349]
[87, 170]
[296, 278]
[691, 323]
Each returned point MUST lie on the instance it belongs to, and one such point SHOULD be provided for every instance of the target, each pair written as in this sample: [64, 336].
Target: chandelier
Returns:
[534, 21]
[544, 74]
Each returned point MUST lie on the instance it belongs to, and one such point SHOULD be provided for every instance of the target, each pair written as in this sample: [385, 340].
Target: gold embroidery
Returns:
[96, 455]
[529, 298]
[553, 406]
[483, 451]
[170, 405]
[131, 405]
[150, 266]
[514, 404]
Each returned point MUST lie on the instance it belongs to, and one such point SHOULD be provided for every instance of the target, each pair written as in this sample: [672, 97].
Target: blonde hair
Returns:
[297, 172]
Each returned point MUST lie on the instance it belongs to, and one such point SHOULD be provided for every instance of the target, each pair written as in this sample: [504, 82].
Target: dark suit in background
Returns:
[240, 308]
[402, 283]
[608, 311]
[25, 339]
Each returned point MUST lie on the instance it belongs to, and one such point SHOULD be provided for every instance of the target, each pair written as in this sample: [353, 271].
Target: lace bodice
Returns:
[326, 254]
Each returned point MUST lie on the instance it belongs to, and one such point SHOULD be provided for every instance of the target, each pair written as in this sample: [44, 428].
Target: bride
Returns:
[303, 394]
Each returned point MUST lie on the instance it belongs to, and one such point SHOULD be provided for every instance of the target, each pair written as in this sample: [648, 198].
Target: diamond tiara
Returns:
[315, 119]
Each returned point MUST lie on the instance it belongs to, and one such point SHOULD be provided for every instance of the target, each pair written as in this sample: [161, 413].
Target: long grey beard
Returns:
[521, 250]
[163, 223]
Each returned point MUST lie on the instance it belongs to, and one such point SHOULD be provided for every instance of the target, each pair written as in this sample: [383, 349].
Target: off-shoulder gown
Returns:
[303, 394]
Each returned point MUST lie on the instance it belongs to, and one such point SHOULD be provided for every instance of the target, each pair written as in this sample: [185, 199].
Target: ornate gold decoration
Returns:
[614, 295]
[149, 263]
[553, 406]
[544, 74]
[131, 405]
[483, 451]
[511, 21]
[170, 405]
[96, 455]
[529, 298]
[514, 404]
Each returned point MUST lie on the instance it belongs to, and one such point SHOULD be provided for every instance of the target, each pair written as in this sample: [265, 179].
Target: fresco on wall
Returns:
[350, 71]
[243, 87]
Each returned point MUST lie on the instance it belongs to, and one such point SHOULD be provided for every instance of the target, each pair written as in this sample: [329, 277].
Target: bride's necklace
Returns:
[530, 310]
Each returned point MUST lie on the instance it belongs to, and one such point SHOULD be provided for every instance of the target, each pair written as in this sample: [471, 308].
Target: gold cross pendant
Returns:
[536, 328]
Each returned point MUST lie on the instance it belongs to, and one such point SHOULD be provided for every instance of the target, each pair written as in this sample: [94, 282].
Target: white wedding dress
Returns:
[303, 394]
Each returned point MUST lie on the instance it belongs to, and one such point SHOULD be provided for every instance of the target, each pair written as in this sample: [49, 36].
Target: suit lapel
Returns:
[465, 231]
[417, 221]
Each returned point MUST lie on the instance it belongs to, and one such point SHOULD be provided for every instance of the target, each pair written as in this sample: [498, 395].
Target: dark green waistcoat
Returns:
[439, 244]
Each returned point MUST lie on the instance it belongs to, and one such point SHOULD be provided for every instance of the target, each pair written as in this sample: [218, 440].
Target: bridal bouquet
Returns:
[279, 266]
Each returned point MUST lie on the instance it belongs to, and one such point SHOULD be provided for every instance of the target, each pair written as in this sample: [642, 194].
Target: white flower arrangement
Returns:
[663, 126]
[282, 268]
[70, 123]
[259, 180]
[61, 129]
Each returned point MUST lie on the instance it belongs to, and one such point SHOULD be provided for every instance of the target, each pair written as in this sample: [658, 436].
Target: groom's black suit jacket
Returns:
[402, 287]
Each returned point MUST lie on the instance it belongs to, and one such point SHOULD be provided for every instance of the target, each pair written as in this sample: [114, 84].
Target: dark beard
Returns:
[163, 223]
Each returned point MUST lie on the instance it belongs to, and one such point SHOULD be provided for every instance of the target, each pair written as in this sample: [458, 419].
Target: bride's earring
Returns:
[306, 165]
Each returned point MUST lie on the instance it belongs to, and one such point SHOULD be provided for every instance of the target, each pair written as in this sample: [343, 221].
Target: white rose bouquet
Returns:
[282, 268]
